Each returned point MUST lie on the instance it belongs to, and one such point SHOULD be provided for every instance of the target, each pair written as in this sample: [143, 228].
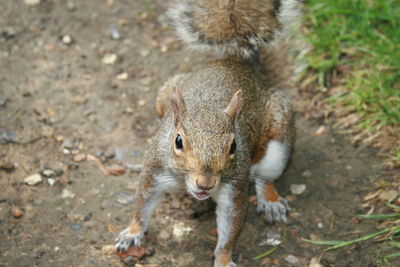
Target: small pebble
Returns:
[128, 110]
[7, 166]
[31, 2]
[142, 103]
[110, 59]
[59, 138]
[115, 33]
[7, 136]
[79, 157]
[119, 153]
[124, 198]
[122, 76]
[66, 151]
[273, 239]
[320, 131]
[17, 212]
[164, 235]
[33, 179]
[3, 103]
[75, 226]
[48, 173]
[297, 189]
[66, 39]
[70, 6]
[135, 167]
[307, 173]
[51, 181]
[292, 259]
[315, 262]
[108, 250]
[66, 193]
[67, 143]
[88, 217]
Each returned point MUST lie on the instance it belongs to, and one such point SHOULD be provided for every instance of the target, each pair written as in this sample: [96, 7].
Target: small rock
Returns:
[70, 6]
[67, 143]
[115, 33]
[297, 189]
[17, 212]
[51, 181]
[125, 198]
[3, 103]
[88, 217]
[320, 131]
[129, 110]
[108, 250]
[135, 167]
[48, 173]
[7, 166]
[33, 179]
[79, 157]
[315, 262]
[59, 172]
[307, 173]
[75, 226]
[179, 230]
[122, 76]
[292, 259]
[142, 103]
[110, 59]
[66, 151]
[144, 52]
[66, 193]
[66, 39]
[7, 136]
[164, 235]
[31, 2]
[110, 153]
[273, 239]
[119, 153]
[59, 138]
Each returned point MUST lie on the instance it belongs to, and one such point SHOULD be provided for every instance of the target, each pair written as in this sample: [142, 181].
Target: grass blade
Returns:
[265, 254]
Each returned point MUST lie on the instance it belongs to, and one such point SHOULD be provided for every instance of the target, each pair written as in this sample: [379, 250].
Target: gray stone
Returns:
[75, 226]
[124, 198]
[7, 136]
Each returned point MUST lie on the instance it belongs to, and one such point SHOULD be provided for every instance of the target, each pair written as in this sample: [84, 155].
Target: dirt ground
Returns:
[58, 98]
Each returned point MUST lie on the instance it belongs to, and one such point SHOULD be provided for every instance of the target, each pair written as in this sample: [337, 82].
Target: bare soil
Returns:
[60, 99]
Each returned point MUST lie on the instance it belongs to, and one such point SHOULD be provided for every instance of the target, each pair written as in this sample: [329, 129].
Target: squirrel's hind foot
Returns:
[274, 211]
[126, 239]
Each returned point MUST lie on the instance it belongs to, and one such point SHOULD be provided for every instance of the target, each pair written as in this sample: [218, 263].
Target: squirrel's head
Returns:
[203, 143]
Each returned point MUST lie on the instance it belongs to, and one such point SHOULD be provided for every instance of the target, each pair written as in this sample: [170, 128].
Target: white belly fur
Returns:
[273, 163]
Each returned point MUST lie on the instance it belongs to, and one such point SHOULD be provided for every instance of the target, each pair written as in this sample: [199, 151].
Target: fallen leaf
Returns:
[137, 252]
[116, 170]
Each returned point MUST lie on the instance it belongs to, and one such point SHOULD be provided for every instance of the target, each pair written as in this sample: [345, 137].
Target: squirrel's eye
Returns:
[178, 142]
[233, 147]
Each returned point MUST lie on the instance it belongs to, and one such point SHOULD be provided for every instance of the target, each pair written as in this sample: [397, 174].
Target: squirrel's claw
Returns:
[274, 211]
[125, 239]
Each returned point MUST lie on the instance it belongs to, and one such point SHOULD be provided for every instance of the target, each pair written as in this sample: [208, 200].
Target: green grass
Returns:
[390, 235]
[360, 40]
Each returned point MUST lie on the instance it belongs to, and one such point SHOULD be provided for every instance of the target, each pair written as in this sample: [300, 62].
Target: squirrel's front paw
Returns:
[228, 264]
[274, 211]
[125, 239]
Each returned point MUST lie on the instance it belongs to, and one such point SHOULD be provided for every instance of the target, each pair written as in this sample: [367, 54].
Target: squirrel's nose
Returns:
[204, 186]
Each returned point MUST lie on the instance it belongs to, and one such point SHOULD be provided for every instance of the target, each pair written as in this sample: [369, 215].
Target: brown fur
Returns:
[270, 192]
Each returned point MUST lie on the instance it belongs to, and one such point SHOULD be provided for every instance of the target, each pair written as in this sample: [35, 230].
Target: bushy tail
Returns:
[234, 27]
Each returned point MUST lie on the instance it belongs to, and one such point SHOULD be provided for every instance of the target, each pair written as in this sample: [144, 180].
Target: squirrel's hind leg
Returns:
[264, 173]
[272, 158]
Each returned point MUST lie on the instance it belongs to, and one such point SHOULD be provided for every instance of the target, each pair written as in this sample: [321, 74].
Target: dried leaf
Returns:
[116, 170]
[137, 252]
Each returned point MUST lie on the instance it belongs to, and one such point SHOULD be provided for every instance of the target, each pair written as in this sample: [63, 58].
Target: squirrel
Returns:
[226, 123]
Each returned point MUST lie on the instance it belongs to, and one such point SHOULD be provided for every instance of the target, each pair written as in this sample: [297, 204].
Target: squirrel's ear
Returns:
[178, 104]
[235, 105]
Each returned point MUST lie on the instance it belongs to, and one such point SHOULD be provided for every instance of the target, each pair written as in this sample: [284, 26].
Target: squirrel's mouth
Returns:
[202, 195]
